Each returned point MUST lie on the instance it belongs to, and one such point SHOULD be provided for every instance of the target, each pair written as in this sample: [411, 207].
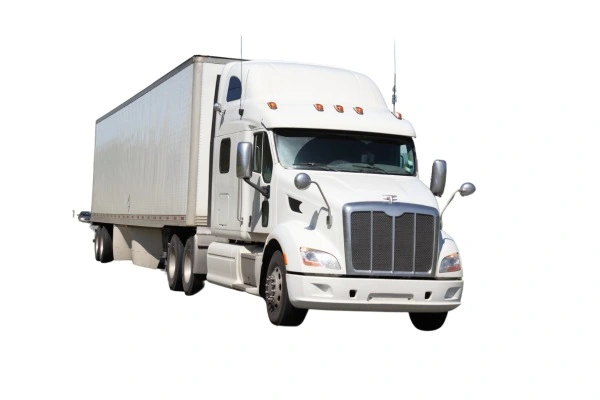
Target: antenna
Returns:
[394, 88]
[241, 111]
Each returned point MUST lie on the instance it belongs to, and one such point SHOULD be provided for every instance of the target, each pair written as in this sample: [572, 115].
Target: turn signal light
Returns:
[272, 105]
[339, 108]
[358, 110]
[319, 107]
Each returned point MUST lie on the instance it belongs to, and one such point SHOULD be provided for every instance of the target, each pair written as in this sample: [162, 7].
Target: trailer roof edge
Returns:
[176, 70]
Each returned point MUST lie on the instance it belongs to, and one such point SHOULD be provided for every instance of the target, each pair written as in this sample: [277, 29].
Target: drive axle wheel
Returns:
[192, 283]
[174, 262]
[428, 321]
[279, 308]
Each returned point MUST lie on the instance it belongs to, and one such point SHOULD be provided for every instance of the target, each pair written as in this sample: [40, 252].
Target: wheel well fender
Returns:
[271, 247]
[282, 239]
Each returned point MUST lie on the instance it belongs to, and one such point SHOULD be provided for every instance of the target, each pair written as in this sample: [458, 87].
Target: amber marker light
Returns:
[339, 108]
[358, 110]
[397, 115]
[272, 105]
[319, 107]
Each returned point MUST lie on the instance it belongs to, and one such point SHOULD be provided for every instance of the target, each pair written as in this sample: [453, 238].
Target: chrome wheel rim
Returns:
[171, 265]
[100, 246]
[187, 268]
[97, 244]
[273, 290]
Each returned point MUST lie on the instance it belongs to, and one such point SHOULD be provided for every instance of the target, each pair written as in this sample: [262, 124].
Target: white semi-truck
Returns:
[287, 181]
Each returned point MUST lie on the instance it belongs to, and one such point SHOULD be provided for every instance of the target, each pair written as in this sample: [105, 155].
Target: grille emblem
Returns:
[390, 198]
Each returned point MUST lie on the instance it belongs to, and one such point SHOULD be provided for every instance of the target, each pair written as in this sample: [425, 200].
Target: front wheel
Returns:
[280, 309]
[428, 321]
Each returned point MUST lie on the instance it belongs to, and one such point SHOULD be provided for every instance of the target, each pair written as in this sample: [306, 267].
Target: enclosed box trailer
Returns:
[153, 153]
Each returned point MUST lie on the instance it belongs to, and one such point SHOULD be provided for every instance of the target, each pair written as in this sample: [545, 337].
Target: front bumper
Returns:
[373, 294]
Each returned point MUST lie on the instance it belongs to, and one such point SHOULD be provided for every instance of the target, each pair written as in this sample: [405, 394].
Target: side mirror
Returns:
[438, 178]
[466, 189]
[302, 181]
[243, 162]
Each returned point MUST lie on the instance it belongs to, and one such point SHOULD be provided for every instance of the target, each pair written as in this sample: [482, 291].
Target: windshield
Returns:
[345, 151]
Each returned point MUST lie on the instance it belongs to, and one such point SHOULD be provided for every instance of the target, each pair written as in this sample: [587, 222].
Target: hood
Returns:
[346, 187]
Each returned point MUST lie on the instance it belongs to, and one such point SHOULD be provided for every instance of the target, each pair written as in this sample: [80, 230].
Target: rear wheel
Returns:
[97, 243]
[104, 245]
[174, 262]
[279, 308]
[428, 321]
[192, 283]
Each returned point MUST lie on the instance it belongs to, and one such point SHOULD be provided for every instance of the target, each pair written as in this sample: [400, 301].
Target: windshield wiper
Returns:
[317, 165]
[367, 166]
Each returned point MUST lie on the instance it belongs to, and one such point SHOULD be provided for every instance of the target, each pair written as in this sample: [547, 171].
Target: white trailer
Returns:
[206, 174]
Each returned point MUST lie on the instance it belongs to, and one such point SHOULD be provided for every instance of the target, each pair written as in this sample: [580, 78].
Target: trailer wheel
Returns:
[192, 283]
[280, 310]
[97, 243]
[174, 261]
[428, 321]
[105, 246]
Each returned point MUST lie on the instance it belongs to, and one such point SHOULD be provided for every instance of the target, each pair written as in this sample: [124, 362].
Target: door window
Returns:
[262, 157]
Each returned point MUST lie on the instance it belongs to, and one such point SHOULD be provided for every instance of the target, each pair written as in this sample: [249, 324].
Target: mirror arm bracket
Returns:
[448, 203]
[329, 216]
[264, 190]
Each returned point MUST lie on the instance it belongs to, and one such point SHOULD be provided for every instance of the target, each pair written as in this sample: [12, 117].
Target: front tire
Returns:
[428, 321]
[279, 308]
[174, 263]
[192, 283]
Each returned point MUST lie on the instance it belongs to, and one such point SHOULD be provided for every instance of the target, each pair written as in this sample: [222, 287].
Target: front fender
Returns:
[293, 235]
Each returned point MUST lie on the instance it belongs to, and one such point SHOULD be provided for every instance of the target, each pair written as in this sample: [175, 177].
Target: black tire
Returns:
[428, 321]
[97, 243]
[192, 283]
[281, 312]
[174, 263]
[105, 246]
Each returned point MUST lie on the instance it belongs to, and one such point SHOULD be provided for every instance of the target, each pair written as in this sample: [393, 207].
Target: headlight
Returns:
[317, 258]
[450, 263]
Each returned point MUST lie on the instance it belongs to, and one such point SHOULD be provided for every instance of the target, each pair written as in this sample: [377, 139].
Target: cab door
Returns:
[225, 190]
[260, 207]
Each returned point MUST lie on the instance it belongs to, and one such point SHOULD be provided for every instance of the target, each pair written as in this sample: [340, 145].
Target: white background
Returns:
[507, 92]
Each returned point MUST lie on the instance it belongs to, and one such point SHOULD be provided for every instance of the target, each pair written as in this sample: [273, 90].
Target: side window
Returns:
[257, 156]
[262, 160]
[234, 91]
[224, 155]
[267, 167]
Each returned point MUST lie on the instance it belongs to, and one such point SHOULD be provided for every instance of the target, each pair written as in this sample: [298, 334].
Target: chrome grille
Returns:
[397, 238]
[404, 243]
[362, 255]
